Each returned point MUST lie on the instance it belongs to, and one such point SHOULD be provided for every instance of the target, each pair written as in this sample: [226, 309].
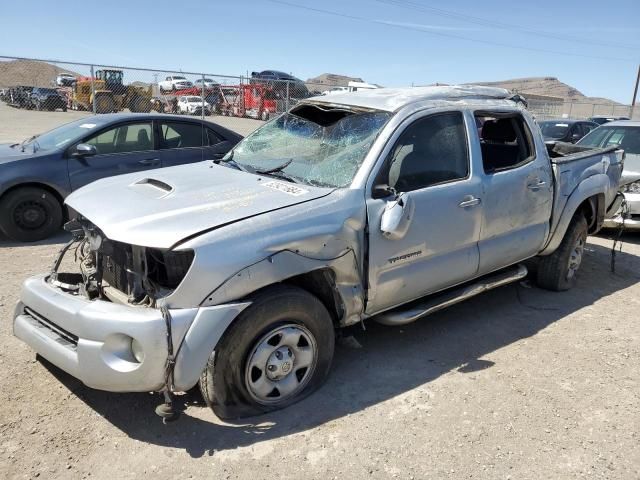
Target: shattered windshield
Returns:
[322, 146]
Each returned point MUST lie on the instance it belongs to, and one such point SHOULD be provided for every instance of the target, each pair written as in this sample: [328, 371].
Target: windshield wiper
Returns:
[231, 162]
[24, 144]
[279, 168]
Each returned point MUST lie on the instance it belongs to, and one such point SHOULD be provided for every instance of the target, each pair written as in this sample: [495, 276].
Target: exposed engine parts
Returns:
[115, 271]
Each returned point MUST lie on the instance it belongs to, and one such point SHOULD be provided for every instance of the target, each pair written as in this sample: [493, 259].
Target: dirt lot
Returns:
[519, 383]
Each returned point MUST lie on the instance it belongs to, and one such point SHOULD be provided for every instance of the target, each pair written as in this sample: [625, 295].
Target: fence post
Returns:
[93, 90]
[287, 108]
[202, 98]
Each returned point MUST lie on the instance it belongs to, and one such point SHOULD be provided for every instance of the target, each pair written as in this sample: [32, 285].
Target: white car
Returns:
[192, 105]
[208, 83]
[65, 79]
[624, 134]
[173, 83]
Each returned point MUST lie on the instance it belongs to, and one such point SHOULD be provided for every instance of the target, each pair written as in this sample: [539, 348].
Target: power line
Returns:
[492, 23]
[442, 34]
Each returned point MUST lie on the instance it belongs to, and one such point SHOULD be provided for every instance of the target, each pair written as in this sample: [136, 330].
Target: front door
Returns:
[122, 149]
[435, 243]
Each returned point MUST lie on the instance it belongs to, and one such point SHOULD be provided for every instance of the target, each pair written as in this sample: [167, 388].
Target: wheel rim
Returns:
[575, 259]
[281, 364]
[30, 215]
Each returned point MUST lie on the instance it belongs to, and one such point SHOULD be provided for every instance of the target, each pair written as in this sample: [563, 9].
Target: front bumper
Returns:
[91, 340]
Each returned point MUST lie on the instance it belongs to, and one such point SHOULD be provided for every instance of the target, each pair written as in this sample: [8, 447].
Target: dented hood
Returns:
[160, 208]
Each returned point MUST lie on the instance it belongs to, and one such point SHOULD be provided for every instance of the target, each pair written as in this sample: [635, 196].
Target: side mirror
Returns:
[575, 137]
[383, 191]
[397, 217]
[84, 150]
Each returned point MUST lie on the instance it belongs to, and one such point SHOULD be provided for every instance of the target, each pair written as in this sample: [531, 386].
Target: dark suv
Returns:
[47, 99]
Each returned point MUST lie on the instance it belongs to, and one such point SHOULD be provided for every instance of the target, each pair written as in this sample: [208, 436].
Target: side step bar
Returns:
[424, 307]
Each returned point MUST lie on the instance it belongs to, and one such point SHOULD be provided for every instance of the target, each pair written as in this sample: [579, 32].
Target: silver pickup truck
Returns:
[386, 204]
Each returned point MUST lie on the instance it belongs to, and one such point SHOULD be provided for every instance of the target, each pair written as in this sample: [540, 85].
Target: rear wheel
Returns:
[558, 271]
[30, 214]
[276, 352]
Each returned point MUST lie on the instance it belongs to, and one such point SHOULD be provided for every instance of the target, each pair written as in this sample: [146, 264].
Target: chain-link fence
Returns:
[240, 103]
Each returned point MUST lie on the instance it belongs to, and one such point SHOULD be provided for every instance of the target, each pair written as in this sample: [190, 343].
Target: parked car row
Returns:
[36, 98]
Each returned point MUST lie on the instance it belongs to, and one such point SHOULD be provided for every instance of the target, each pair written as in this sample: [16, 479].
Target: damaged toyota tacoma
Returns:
[236, 273]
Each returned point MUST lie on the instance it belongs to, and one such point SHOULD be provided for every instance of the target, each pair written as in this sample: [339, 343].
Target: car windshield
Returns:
[48, 91]
[314, 145]
[194, 99]
[62, 136]
[554, 129]
[627, 138]
[179, 78]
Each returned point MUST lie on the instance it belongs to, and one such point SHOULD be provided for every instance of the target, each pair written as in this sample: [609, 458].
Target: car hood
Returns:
[8, 154]
[160, 208]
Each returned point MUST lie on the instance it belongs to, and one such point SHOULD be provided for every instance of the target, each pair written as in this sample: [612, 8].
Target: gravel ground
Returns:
[518, 383]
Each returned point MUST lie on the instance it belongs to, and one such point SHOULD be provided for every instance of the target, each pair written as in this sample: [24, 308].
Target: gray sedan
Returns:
[37, 174]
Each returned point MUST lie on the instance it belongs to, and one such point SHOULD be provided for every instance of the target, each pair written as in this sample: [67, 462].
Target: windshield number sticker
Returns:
[287, 188]
[88, 125]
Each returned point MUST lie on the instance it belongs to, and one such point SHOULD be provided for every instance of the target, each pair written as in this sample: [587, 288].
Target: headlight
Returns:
[631, 188]
[137, 351]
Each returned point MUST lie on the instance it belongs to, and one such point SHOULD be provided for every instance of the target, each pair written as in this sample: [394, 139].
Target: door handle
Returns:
[469, 202]
[149, 161]
[537, 185]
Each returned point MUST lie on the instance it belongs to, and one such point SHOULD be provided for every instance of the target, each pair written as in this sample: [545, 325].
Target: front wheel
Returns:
[30, 214]
[276, 352]
[558, 271]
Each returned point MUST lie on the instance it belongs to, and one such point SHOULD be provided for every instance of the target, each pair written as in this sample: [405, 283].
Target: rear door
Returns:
[124, 148]
[518, 191]
[188, 142]
[429, 166]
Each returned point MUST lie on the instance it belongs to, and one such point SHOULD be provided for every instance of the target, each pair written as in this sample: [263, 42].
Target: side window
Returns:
[134, 137]
[505, 141]
[214, 138]
[430, 151]
[183, 135]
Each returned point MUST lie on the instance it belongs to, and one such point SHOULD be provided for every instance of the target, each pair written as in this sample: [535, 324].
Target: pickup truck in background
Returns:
[385, 204]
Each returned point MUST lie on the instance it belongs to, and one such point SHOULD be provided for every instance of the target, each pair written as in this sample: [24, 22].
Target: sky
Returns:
[591, 45]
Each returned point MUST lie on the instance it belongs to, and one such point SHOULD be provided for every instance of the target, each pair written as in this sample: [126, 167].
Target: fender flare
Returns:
[588, 188]
[287, 264]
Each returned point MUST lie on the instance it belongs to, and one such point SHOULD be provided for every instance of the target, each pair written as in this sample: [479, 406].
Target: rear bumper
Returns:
[629, 223]
[91, 339]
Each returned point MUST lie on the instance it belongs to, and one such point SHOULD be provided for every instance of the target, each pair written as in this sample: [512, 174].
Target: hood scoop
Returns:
[152, 187]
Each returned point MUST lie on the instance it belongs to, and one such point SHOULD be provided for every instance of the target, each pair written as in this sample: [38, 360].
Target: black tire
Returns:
[223, 381]
[30, 214]
[140, 105]
[554, 271]
[105, 104]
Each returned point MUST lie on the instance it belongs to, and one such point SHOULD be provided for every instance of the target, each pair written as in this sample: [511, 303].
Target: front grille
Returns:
[164, 268]
[65, 338]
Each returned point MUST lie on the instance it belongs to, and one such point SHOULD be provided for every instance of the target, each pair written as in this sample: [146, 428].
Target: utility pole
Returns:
[635, 94]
